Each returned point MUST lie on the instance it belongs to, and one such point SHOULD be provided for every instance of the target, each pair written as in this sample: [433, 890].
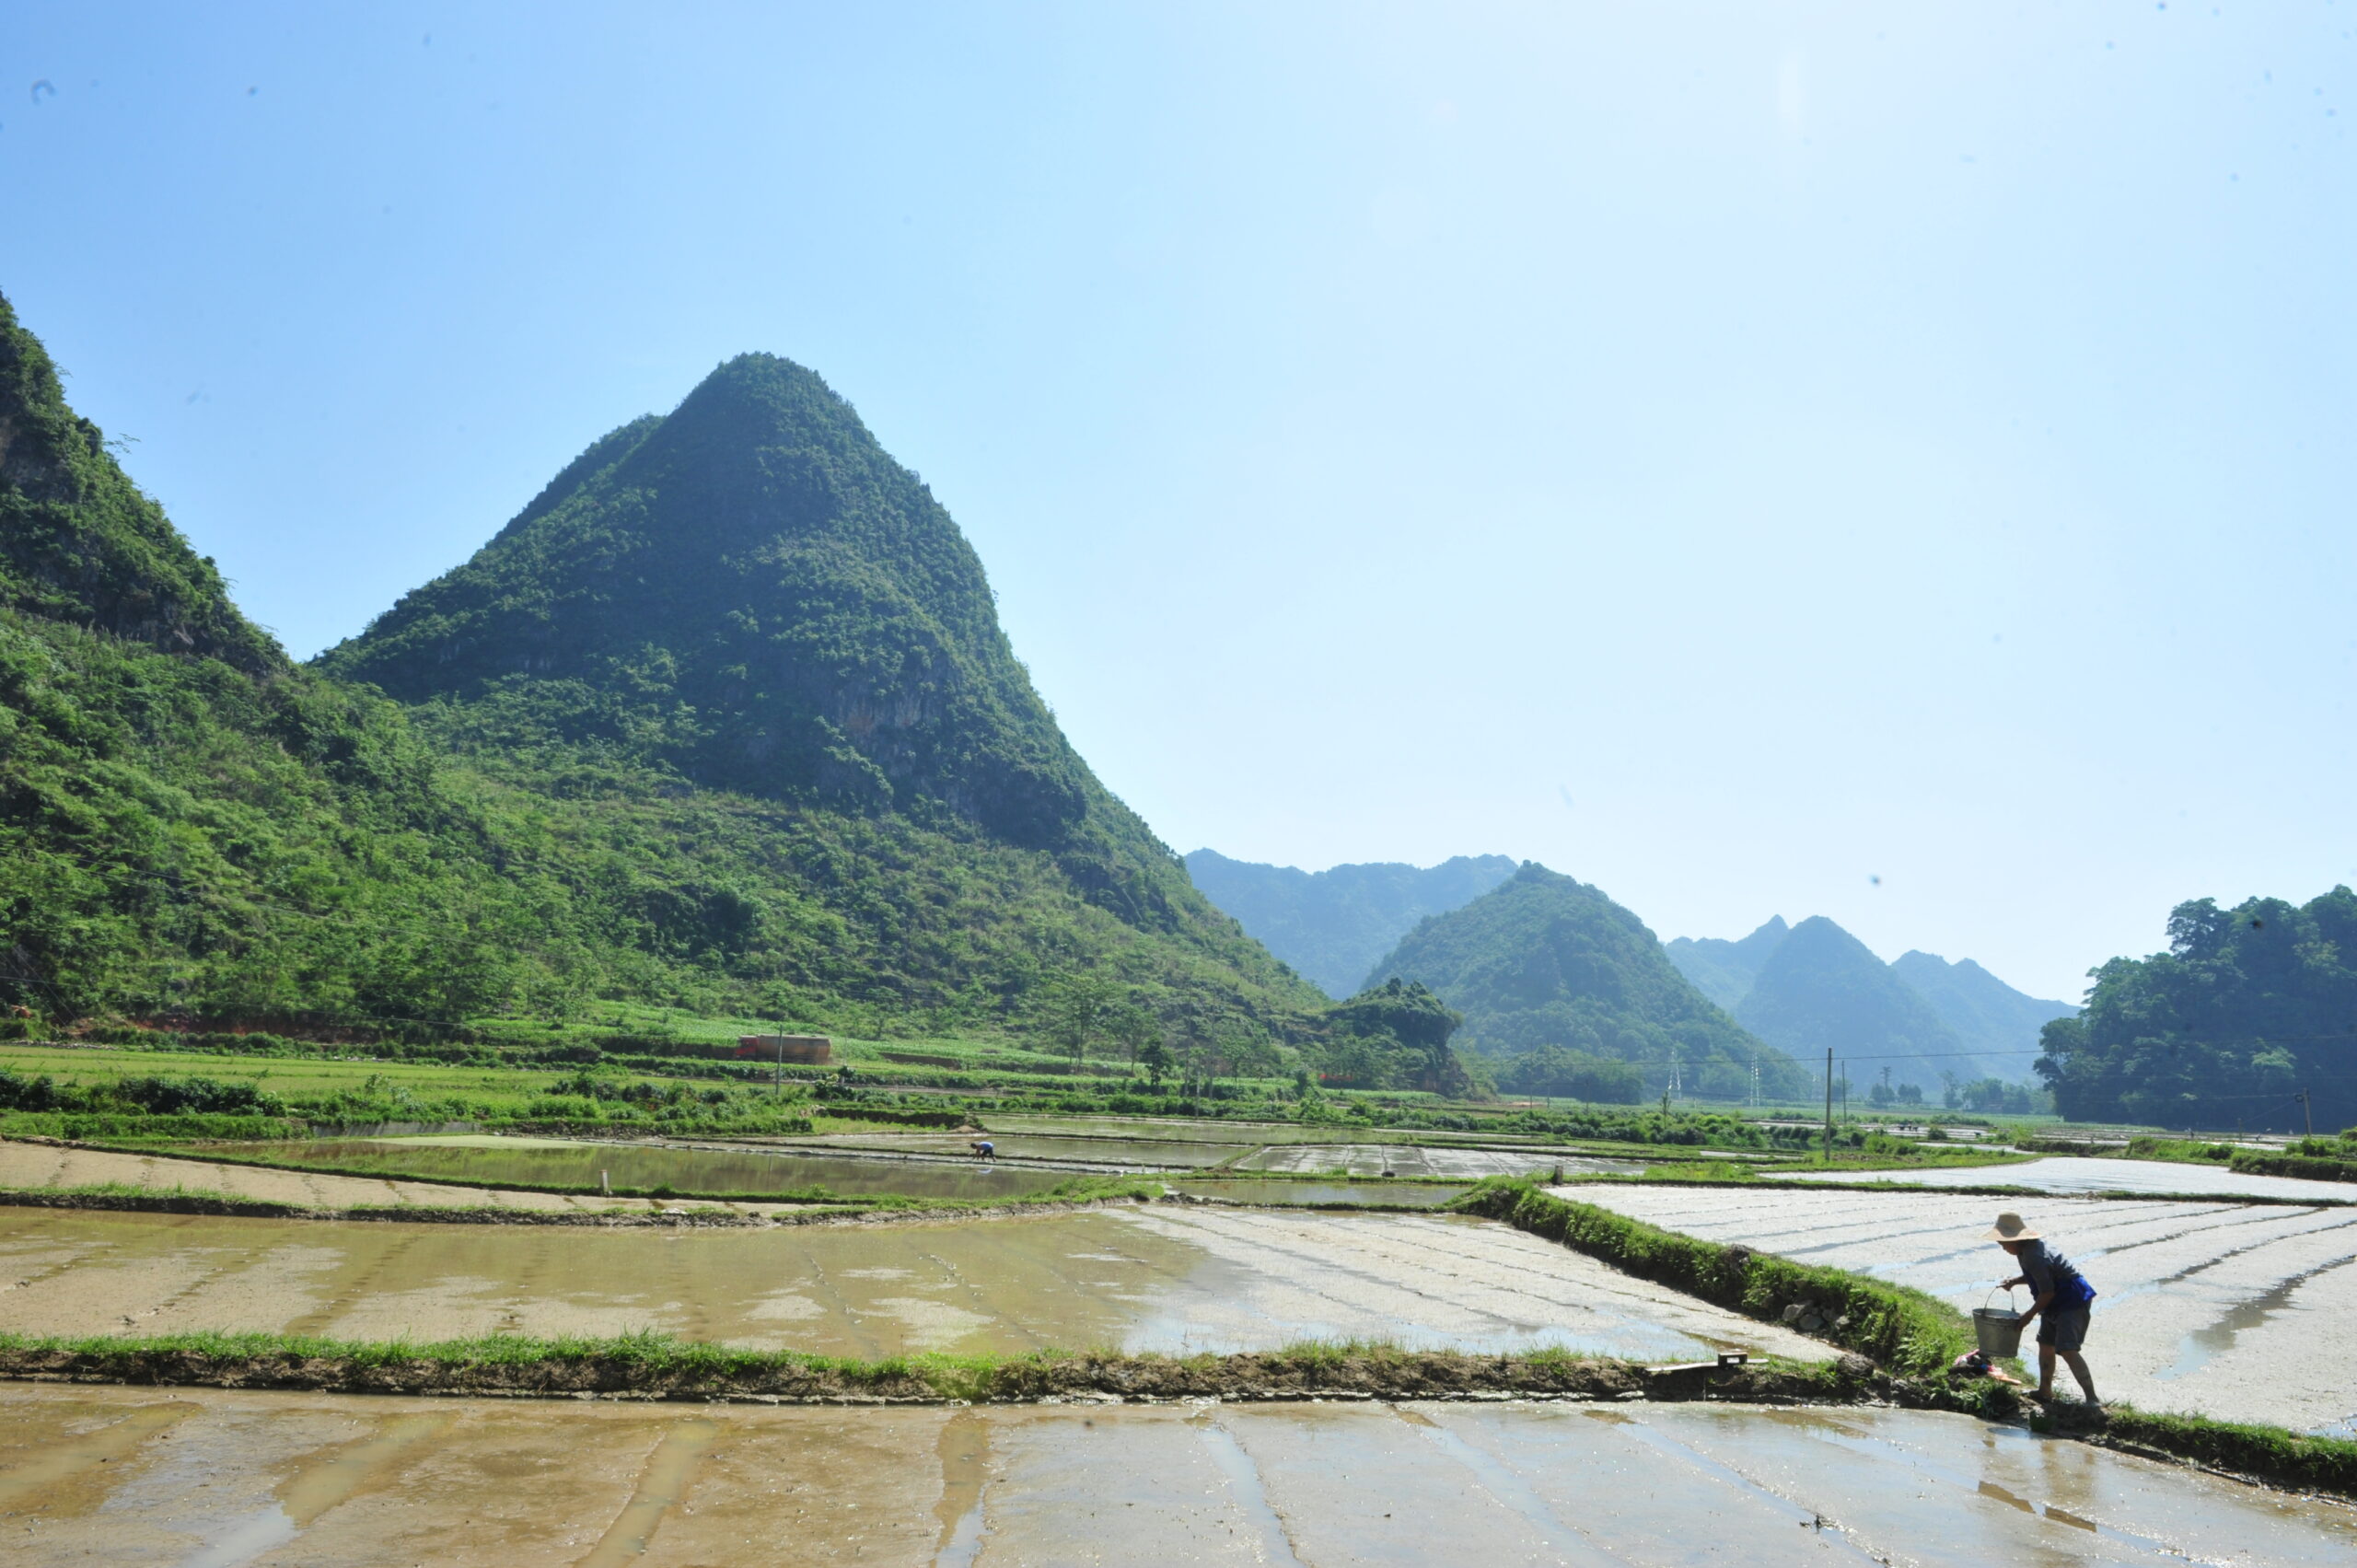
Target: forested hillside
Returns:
[1332, 926]
[724, 720]
[1553, 976]
[2248, 1008]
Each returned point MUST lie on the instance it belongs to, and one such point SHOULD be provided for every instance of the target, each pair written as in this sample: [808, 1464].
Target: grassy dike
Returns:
[1910, 1335]
[656, 1366]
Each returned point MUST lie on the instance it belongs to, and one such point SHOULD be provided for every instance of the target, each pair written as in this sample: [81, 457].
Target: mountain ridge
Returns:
[194, 826]
[1331, 925]
[1544, 962]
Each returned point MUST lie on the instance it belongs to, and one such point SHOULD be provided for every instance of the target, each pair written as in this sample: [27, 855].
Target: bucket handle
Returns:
[1994, 1290]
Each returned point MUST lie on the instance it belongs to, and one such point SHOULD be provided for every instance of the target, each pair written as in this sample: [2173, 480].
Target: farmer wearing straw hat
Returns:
[2064, 1301]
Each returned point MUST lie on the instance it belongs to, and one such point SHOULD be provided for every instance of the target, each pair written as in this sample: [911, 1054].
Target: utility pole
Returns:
[1829, 1105]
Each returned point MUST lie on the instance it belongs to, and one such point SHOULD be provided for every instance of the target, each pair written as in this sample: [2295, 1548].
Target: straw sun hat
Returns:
[2010, 1227]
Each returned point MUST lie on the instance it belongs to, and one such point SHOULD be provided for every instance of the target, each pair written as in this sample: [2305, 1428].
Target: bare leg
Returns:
[2045, 1371]
[2079, 1370]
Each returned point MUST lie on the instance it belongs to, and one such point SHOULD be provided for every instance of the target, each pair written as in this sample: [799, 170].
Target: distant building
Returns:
[805, 1049]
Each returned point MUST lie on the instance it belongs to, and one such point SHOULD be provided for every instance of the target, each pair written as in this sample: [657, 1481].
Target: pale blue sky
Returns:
[1725, 452]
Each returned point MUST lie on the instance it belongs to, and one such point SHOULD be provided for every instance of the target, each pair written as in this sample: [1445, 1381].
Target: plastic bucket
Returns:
[1999, 1328]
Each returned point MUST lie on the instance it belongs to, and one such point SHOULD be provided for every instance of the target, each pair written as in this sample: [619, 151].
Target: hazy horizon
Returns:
[1890, 465]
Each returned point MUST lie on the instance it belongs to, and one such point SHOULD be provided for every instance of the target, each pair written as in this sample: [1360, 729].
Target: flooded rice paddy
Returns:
[1079, 1152]
[140, 1477]
[1410, 1159]
[1388, 1194]
[2241, 1311]
[1165, 1278]
[550, 1162]
[2071, 1173]
[38, 1166]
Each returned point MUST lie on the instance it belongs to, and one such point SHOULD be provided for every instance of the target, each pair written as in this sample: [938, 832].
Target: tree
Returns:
[2247, 1007]
[1081, 1011]
[1154, 1057]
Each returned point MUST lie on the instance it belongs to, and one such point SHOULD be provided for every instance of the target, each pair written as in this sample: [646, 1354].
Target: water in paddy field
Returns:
[2242, 1311]
[1397, 1195]
[149, 1476]
[1125, 1154]
[1166, 1278]
[494, 1162]
[2071, 1173]
[1405, 1159]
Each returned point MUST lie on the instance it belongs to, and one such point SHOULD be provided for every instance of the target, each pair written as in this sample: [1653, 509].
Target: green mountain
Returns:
[1544, 963]
[1822, 988]
[724, 720]
[2248, 1006]
[1986, 1013]
[1332, 925]
[1723, 970]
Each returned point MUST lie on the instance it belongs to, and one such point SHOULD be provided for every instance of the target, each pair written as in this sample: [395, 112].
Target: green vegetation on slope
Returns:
[1332, 925]
[623, 790]
[2248, 1007]
[1542, 960]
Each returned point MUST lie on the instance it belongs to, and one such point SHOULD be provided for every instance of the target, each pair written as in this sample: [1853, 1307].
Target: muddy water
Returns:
[2070, 1173]
[1397, 1195]
[1408, 1159]
[2245, 1312]
[687, 1172]
[1123, 1154]
[134, 1478]
[1166, 1278]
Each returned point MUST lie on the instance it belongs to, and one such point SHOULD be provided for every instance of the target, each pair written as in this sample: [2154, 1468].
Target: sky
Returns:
[1887, 462]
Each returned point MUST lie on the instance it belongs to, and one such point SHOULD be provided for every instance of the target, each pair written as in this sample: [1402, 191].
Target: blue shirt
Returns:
[2047, 1270]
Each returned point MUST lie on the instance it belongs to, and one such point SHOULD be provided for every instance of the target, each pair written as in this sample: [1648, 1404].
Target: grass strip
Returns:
[2242, 1448]
[2308, 1168]
[1904, 1330]
[654, 1365]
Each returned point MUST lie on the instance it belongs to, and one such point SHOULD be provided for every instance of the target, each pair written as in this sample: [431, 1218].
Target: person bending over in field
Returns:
[2064, 1301]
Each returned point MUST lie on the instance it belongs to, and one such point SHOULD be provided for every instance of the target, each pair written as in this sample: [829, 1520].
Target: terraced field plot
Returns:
[138, 1477]
[37, 1166]
[1393, 1194]
[1165, 1278]
[686, 1170]
[1408, 1160]
[2071, 1173]
[1091, 1152]
[2241, 1311]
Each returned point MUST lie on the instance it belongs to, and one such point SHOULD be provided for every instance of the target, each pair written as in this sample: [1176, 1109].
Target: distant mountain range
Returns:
[1811, 986]
[1332, 925]
[1539, 962]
